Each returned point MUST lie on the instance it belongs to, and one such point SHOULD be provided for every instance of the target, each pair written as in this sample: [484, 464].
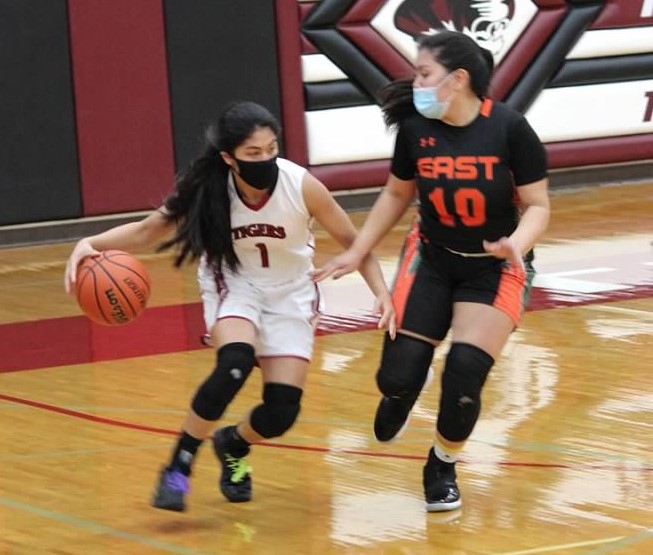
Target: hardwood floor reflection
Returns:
[559, 463]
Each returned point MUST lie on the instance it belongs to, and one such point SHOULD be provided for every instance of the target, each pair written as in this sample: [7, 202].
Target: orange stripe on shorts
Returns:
[406, 273]
[510, 293]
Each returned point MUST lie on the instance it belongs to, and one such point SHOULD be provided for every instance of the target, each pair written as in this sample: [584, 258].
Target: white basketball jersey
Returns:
[274, 241]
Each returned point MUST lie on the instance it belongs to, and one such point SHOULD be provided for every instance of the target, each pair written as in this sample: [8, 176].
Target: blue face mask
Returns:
[427, 103]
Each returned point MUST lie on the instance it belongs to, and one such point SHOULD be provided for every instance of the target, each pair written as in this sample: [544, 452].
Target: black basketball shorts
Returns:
[430, 279]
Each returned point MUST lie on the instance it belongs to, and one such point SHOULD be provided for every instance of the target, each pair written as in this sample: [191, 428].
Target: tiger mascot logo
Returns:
[485, 21]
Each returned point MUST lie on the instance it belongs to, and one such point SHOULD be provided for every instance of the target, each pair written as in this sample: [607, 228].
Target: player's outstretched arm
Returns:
[127, 237]
[323, 207]
[388, 208]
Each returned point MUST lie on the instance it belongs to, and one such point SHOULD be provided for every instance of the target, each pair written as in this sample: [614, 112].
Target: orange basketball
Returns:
[113, 288]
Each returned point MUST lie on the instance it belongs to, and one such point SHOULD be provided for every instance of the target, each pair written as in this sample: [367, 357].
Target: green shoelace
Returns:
[239, 468]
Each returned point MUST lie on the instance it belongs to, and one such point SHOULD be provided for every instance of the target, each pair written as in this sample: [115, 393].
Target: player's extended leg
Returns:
[283, 383]
[479, 333]
[234, 362]
[403, 373]
[422, 297]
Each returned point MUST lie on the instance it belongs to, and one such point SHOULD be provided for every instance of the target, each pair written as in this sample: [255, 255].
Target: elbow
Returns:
[546, 215]
[399, 198]
[148, 234]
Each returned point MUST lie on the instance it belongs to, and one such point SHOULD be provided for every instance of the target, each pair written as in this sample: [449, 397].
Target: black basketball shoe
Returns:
[440, 487]
[171, 490]
[236, 480]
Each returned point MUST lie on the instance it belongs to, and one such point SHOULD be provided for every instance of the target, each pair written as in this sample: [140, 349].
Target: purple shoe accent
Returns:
[177, 481]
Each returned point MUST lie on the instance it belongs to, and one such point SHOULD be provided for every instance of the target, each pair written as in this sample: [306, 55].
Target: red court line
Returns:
[308, 448]
[174, 328]
[85, 415]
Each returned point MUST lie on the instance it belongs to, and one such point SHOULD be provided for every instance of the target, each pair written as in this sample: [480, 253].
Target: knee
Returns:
[464, 375]
[404, 365]
[400, 385]
[235, 362]
[279, 410]
[465, 372]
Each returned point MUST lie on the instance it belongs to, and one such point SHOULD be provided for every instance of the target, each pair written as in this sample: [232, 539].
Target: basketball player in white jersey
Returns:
[247, 215]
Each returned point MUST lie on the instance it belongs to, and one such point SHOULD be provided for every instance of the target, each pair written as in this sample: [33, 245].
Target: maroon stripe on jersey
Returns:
[255, 206]
[122, 104]
[221, 287]
[316, 304]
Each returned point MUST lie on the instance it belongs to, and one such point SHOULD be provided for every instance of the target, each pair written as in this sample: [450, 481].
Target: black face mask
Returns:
[260, 175]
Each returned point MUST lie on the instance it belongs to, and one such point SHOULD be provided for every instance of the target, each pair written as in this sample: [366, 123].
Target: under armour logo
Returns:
[427, 141]
[185, 457]
[236, 373]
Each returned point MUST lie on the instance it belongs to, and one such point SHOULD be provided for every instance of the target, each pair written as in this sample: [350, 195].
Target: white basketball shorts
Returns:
[285, 315]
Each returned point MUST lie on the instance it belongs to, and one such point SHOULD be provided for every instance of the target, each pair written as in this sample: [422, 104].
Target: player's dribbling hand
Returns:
[507, 249]
[82, 249]
[383, 306]
[338, 266]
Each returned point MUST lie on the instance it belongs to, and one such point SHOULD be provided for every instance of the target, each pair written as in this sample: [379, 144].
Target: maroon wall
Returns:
[122, 104]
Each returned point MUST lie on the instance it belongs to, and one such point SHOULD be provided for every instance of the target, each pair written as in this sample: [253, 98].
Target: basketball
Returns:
[113, 288]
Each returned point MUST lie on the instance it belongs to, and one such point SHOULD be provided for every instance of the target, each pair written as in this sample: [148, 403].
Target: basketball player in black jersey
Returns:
[480, 173]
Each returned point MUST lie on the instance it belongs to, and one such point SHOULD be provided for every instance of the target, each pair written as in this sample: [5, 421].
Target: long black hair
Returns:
[200, 203]
[453, 50]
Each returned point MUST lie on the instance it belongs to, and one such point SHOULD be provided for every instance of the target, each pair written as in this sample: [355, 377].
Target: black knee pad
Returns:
[234, 364]
[465, 372]
[279, 410]
[404, 365]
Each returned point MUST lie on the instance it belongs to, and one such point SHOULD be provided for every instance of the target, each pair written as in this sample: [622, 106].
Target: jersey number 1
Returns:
[469, 203]
[265, 259]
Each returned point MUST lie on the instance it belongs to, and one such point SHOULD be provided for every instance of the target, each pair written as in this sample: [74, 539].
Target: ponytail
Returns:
[397, 102]
[200, 207]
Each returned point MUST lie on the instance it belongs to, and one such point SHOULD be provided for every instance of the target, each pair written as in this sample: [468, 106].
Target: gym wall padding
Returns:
[551, 58]
[604, 70]
[349, 58]
[289, 50]
[122, 104]
[38, 160]
[102, 101]
[218, 51]
[334, 94]
[540, 71]
[526, 48]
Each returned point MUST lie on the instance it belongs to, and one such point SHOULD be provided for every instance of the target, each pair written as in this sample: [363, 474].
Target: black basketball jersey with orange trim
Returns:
[467, 176]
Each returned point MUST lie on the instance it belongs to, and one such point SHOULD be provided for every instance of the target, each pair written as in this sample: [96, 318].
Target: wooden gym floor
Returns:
[560, 461]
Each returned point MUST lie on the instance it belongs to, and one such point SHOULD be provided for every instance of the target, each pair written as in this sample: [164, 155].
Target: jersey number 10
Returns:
[469, 205]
